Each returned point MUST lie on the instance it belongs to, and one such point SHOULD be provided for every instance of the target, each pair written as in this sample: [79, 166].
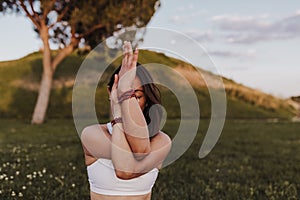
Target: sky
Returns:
[256, 43]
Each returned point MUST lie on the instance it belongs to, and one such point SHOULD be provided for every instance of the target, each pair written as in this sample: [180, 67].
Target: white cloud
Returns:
[188, 7]
[176, 19]
[180, 9]
[200, 36]
[250, 53]
[187, 18]
[251, 29]
[191, 6]
[240, 23]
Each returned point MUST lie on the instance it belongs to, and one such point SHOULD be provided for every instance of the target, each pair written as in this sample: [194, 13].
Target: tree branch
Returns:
[98, 26]
[46, 11]
[59, 18]
[64, 53]
[33, 11]
[35, 21]
[62, 14]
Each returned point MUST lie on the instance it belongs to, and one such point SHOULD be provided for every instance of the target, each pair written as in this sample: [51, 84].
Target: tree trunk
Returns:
[41, 105]
[49, 67]
[43, 98]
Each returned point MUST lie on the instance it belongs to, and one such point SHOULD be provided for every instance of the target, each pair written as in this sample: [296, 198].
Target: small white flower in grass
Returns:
[73, 167]
[29, 176]
[1, 177]
[17, 173]
[4, 165]
[62, 177]
[73, 185]
[6, 178]
[13, 193]
[0, 191]
[29, 183]
[34, 173]
[44, 170]
[20, 194]
[23, 187]
[50, 176]
[18, 160]
[11, 177]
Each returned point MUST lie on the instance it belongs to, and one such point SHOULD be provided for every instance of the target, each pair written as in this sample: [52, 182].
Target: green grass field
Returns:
[252, 160]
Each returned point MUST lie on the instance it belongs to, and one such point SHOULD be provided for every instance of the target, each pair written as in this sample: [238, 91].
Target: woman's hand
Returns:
[128, 69]
[114, 103]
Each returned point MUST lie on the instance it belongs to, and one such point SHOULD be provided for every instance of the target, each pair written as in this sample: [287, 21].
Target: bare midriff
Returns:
[95, 196]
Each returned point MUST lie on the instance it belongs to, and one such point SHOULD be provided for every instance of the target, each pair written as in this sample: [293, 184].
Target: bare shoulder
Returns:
[93, 137]
[93, 128]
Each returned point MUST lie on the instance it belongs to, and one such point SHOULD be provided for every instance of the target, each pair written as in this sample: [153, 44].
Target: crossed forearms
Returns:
[135, 128]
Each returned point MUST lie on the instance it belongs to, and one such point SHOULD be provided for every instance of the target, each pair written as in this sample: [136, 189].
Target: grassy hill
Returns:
[19, 82]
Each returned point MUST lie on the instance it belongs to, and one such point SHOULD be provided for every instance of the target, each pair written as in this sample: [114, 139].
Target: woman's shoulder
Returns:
[93, 129]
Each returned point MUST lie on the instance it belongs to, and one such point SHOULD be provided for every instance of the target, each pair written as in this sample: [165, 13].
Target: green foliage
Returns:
[252, 160]
[91, 20]
[19, 84]
[19, 81]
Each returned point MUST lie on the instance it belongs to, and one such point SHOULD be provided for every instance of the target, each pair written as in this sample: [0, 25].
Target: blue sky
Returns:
[256, 43]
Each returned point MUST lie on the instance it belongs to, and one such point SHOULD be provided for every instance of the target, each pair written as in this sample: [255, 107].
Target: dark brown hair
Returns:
[152, 95]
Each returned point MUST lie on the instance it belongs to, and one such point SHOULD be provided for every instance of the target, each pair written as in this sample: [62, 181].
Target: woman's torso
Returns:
[102, 177]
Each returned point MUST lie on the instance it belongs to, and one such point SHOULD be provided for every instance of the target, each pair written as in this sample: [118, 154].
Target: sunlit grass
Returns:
[252, 160]
[41, 162]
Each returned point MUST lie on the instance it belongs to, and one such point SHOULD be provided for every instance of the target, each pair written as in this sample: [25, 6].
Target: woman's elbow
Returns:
[85, 133]
[141, 152]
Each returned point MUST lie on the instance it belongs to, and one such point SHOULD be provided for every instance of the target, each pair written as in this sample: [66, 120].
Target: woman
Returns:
[123, 157]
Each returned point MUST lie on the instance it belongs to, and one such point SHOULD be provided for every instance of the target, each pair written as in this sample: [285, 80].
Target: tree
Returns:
[68, 23]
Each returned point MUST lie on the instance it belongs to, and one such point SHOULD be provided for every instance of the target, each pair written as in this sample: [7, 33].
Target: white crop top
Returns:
[103, 180]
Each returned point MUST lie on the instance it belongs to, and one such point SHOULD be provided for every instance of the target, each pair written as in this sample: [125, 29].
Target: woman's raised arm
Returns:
[134, 123]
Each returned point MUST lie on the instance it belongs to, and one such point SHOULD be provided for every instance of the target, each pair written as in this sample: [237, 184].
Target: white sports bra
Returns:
[103, 180]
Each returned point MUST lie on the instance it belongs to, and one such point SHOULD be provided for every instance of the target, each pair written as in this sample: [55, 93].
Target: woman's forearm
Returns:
[135, 127]
[121, 155]
[126, 165]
